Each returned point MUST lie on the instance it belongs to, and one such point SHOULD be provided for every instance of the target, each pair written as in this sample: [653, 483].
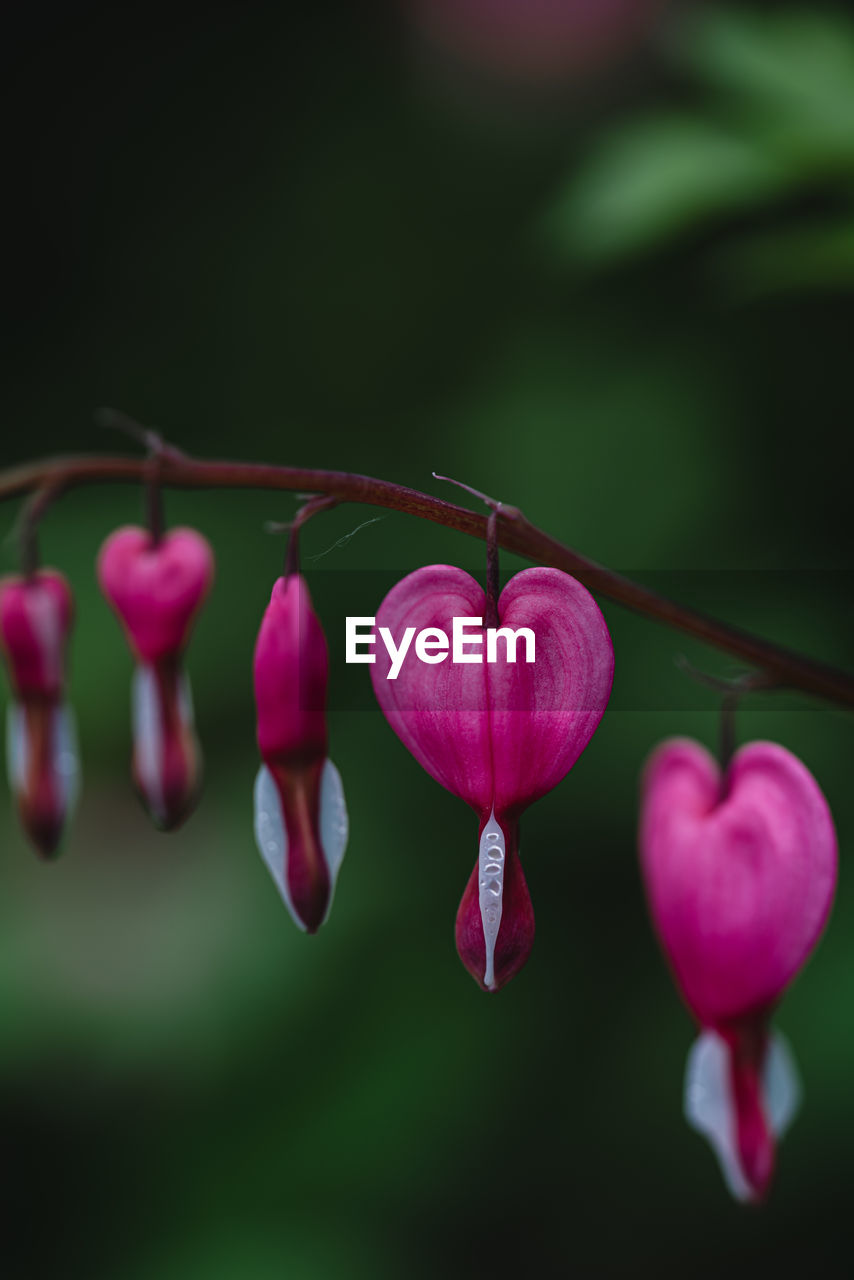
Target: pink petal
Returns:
[543, 714]
[35, 619]
[438, 712]
[156, 589]
[291, 671]
[740, 872]
[502, 733]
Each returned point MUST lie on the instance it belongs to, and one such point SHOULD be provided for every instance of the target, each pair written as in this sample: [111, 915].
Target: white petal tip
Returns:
[272, 839]
[334, 825]
[65, 755]
[782, 1085]
[710, 1107]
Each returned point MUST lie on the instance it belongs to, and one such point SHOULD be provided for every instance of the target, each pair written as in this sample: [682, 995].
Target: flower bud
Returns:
[36, 615]
[300, 815]
[156, 588]
[740, 871]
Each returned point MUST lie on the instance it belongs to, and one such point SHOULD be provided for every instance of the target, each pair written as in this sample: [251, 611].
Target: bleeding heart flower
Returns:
[300, 815]
[36, 615]
[497, 734]
[740, 871]
[157, 588]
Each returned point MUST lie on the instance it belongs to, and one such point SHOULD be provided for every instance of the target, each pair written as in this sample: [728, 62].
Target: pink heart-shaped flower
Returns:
[36, 614]
[740, 872]
[156, 588]
[498, 735]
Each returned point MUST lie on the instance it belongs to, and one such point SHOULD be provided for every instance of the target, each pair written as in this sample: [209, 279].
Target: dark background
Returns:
[609, 282]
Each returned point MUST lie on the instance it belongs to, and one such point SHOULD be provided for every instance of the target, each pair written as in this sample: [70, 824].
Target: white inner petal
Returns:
[147, 727]
[334, 824]
[17, 758]
[710, 1109]
[66, 757]
[781, 1085]
[272, 838]
[710, 1106]
[490, 882]
[186, 713]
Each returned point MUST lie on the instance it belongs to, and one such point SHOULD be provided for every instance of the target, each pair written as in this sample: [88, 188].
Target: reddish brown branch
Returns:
[515, 533]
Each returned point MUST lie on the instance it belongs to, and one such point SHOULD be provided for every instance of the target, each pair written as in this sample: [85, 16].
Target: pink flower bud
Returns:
[497, 734]
[740, 872]
[36, 615]
[156, 589]
[300, 815]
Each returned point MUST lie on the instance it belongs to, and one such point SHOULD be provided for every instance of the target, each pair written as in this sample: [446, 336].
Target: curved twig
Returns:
[515, 533]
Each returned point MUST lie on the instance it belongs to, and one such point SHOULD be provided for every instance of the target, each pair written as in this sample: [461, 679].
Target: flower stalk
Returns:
[514, 533]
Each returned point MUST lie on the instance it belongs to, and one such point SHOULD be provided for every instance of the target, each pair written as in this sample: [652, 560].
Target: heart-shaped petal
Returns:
[156, 588]
[35, 618]
[740, 872]
[497, 734]
[544, 713]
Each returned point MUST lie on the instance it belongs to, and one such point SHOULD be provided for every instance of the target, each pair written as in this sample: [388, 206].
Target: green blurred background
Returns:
[604, 273]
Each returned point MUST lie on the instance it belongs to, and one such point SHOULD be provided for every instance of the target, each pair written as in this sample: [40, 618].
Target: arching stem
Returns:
[784, 667]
